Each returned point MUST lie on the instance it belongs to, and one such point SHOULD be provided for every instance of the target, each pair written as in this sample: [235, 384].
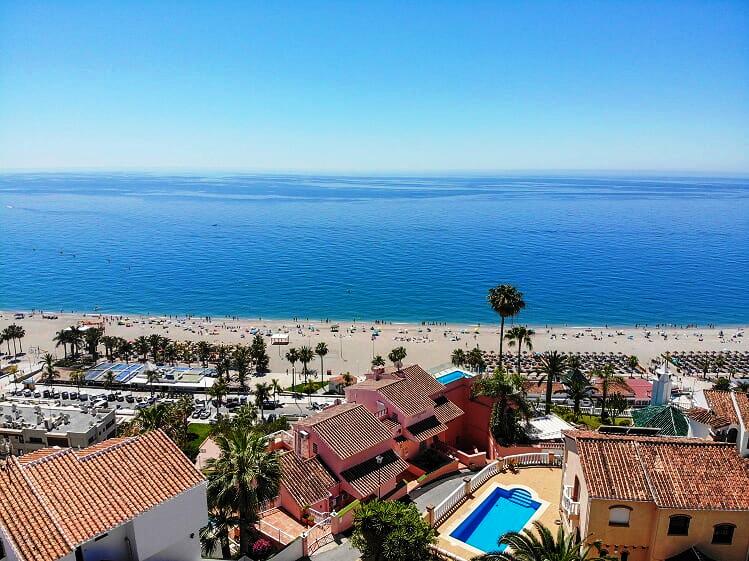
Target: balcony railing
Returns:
[572, 508]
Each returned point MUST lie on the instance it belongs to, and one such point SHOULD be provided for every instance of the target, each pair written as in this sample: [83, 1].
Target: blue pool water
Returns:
[504, 510]
[452, 376]
[585, 250]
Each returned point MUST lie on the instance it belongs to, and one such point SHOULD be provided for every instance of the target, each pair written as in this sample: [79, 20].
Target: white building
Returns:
[127, 499]
[27, 427]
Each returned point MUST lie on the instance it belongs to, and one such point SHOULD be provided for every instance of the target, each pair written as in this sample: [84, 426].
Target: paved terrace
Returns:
[545, 481]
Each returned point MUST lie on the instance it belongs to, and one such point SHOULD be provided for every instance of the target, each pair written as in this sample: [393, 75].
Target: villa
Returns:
[722, 415]
[657, 498]
[124, 499]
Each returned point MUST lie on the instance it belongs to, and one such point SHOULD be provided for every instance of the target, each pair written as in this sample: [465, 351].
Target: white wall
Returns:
[169, 525]
[698, 430]
[291, 552]
[112, 546]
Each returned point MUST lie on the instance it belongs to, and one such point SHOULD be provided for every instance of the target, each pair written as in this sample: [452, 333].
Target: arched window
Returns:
[723, 533]
[733, 434]
[678, 525]
[619, 515]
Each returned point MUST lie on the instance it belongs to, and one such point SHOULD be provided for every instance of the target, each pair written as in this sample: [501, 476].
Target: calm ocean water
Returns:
[585, 250]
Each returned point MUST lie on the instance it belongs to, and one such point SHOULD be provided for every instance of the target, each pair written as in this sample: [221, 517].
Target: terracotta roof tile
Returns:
[721, 404]
[69, 497]
[446, 410]
[347, 429]
[683, 473]
[307, 481]
[742, 403]
[707, 417]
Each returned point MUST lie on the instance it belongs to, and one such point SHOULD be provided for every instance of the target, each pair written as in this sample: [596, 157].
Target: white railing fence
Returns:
[460, 495]
[274, 532]
[572, 508]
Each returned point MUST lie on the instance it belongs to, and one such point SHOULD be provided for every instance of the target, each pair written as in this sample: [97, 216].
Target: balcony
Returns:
[570, 507]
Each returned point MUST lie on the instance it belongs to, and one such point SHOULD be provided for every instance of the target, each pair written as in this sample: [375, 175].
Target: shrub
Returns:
[261, 548]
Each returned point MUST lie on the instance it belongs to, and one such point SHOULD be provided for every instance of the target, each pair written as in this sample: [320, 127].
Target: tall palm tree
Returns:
[170, 353]
[78, 377]
[578, 385]
[152, 418]
[151, 378]
[321, 350]
[125, 350]
[397, 356]
[306, 355]
[507, 301]
[242, 363]
[61, 339]
[110, 344]
[109, 377]
[50, 373]
[275, 388]
[292, 355]
[520, 335]
[9, 335]
[155, 343]
[218, 392]
[475, 360]
[608, 377]
[509, 405]
[19, 333]
[75, 339]
[204, 349]
[244, 476]
[262, 393]
[553, 364]
[92, 338]
[5, 336]
[458, 357]
[142, 346]
[348, 379]
[216, 533]
[541, 545]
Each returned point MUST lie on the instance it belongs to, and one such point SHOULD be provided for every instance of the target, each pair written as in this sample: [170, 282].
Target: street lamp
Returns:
[379, 474]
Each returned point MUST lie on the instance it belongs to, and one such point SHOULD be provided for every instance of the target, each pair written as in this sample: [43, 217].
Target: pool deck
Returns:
[546, 484]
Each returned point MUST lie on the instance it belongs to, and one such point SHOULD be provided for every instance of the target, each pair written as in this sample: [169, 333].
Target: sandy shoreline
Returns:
[352, 348]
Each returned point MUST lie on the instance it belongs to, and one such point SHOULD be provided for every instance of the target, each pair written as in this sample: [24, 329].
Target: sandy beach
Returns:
[351, 349]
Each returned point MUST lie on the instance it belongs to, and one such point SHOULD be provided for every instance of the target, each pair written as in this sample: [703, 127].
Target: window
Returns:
[36, 440]
[314, 448]
[723, 533]
[678, 525]
[619, 515]
[624, 556]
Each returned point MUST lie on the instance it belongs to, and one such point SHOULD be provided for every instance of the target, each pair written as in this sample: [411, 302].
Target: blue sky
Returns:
[379, 86]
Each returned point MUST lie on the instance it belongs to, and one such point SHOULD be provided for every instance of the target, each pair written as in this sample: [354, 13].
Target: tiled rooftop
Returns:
[742, 402]
[56, 499]
[366, 476]
[707, 417]
[307, 481]
[426, 429]
[446, 410]
[672, 472]
[347, 429]
[721, 404]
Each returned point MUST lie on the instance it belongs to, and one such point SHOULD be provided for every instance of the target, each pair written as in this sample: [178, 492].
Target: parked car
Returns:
[65, 395]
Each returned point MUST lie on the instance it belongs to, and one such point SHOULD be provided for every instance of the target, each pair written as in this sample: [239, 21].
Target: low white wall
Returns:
[291, 552]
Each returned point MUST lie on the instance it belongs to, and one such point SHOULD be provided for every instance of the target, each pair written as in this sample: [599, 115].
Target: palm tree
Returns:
[5, 336]
[553, 364]
[378, 361]
[50, 373]
[92, 338]
[171, 353]
[262, 392]
[507, 301]
[242, 362]
[275, 388]
[292, 355]
[475, 360]
[305, 357]
[578, 384]
[397, 356]
[608, 376]
[125, 350]
[152, 418]
[75, 339]
[216, 533]
[142, 346]
[151, 378]
[8, 336]
[348, 379]
[458, 358]
[109, 379]
[321, 350]
[541, 545]
[61, 338]
[78, 377]
[155, 343]
[218, 392]
[110, 344]
[243, 477]
[704, 363]
[520, 335]
[204, 349]
[509, 404]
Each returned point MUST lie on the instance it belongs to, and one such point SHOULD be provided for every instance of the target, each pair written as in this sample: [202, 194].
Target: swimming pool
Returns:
[452, 376]
[502, 511]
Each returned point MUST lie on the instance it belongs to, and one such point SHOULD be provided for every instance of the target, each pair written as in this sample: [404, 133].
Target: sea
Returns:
[584, 249]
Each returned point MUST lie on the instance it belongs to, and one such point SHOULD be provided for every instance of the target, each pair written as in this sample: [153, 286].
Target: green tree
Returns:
[243, 477]
[125, 350]
[458, 357]
[218, 392]
[78, 377]
[204, 350]
[507, 301]
[61, 339]
[509, 405]
[475, 360]
[541, 545]
[578, 385]
[259, 352]
[520, 335]
[378, 361]
[292, 355]
[617, 404]
[397, 356]
[392, 531]
[151, 378]
[608, 377]
[321, 350]
[242, 363]
[109, 379]
[216, 533]
[50, 373]
[142, 347]
[92, 338]
[723, 384]
[553, 364]
[75, 339]
[110, 346]
[306, 355]
[275, 388]
[262, 393]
